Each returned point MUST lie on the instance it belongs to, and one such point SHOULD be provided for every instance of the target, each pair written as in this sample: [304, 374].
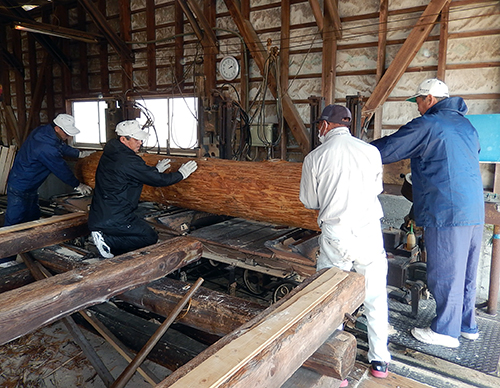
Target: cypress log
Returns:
[262, 191]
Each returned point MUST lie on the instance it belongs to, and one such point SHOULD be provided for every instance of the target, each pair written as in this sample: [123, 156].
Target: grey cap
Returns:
[336, 114]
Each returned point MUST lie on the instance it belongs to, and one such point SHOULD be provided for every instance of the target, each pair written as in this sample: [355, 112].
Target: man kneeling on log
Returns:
[119, 179]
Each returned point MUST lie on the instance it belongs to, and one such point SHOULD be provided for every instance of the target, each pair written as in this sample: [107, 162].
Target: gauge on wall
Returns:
[229, 68]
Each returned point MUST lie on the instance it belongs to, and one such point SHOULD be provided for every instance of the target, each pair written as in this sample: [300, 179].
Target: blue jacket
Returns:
[444, 150]
[41, 154]
[119, 179]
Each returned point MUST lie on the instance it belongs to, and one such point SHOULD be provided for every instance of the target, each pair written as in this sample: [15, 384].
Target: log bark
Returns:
[261, 191]
[27, 236]
[27, 308]
[285, 335]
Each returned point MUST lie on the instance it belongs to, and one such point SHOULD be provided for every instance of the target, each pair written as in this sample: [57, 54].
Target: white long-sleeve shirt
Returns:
[342, 178]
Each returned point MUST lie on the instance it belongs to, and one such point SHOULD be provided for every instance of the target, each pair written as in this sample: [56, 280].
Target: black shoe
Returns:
[379, 369]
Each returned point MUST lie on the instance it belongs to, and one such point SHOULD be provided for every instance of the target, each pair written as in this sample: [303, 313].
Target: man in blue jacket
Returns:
[448, 202]
[119, 179]
[41, 154]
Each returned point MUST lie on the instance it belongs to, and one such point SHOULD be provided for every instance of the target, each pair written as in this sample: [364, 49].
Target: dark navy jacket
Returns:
[41, 154]
[119, 179]
[444, 150]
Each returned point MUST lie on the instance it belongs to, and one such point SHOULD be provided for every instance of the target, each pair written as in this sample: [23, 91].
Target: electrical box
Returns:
[262, 135]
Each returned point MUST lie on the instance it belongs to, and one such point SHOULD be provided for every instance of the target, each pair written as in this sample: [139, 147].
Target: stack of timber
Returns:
[213, 315]
[7, 155]
[262, 191]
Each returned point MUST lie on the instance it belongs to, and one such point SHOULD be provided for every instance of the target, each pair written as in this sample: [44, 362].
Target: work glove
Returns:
[84, 154]
[188, 168]
[163, 165]
[83, 189]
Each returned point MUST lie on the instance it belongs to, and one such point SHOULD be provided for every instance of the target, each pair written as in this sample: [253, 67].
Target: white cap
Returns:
[131, 128]
[432, 86]
[67, 124]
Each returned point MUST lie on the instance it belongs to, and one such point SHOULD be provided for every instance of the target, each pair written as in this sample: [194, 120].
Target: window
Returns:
[171, 122]
[90, 119]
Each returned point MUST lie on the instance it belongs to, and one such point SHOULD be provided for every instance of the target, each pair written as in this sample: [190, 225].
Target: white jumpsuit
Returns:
[342, 178]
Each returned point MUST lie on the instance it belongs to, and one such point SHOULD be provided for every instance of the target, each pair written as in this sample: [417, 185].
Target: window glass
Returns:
[90, 119]
[171, 122]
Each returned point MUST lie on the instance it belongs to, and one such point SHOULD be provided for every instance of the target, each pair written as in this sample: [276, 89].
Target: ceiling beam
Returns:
[102, 24]
[257, 51]
[15, 12]
[403, 58]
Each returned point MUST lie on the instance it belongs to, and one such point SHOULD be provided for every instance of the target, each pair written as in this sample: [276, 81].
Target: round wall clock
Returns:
[229, 68]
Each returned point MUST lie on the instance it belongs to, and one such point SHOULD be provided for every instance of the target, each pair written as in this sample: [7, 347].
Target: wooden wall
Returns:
[310, 63]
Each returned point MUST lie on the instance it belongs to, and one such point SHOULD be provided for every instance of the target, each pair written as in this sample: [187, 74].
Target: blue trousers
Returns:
[452, 261]
[21, 207]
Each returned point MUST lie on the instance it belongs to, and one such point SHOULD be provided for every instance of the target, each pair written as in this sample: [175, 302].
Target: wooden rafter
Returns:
[102, 24]
[403, 58]
[257, 51]
[382, 45]
[333, 9]
[443, 42]
[318, 15]
[18, 13]
[208, 33]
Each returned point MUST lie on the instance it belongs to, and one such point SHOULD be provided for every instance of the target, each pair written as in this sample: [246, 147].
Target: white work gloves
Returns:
[188, 168]
[84, 154]
[163, 165]
[83, 189]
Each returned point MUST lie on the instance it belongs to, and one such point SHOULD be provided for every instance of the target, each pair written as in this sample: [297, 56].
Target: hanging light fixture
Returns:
[60, 32]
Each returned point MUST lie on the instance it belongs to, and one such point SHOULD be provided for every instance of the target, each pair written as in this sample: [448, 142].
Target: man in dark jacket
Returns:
[119, 179]
[448, 202]
[41, 154]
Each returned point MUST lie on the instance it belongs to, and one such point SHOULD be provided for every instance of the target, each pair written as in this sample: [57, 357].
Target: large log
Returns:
[40, 233]
[267, 350]
[27, 308]
[261, 191]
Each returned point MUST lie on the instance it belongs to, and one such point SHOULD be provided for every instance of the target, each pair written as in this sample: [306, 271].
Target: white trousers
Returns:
[363, 250]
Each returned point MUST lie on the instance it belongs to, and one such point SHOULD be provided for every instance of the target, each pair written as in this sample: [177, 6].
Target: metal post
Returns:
[494, 273]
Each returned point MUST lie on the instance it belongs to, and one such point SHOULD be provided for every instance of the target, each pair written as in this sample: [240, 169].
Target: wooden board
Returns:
[262, 191]
[27, 308]
[284, 335]
[27, 236]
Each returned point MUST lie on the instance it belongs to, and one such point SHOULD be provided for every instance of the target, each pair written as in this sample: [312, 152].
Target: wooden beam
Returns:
[329, 63]
[284, 68]
[37, 96]
[318, 15]
[179, 45]
[151, 47]
[27, 308]
[192, 20]
[262, 191]
[284, 335]
[219, 314]
[333, 10]
[103, 56]
[381, 49]
[27, 236]
[443, 42]
[403, 58]
[206, 26]
[18, 13]
[257, 51]
[102, 24]
[126, 35]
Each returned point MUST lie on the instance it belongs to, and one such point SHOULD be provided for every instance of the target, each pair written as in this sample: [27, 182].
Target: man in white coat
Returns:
[342, 178]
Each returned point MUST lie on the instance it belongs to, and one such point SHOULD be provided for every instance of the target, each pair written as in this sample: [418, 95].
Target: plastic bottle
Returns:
[411, 240]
